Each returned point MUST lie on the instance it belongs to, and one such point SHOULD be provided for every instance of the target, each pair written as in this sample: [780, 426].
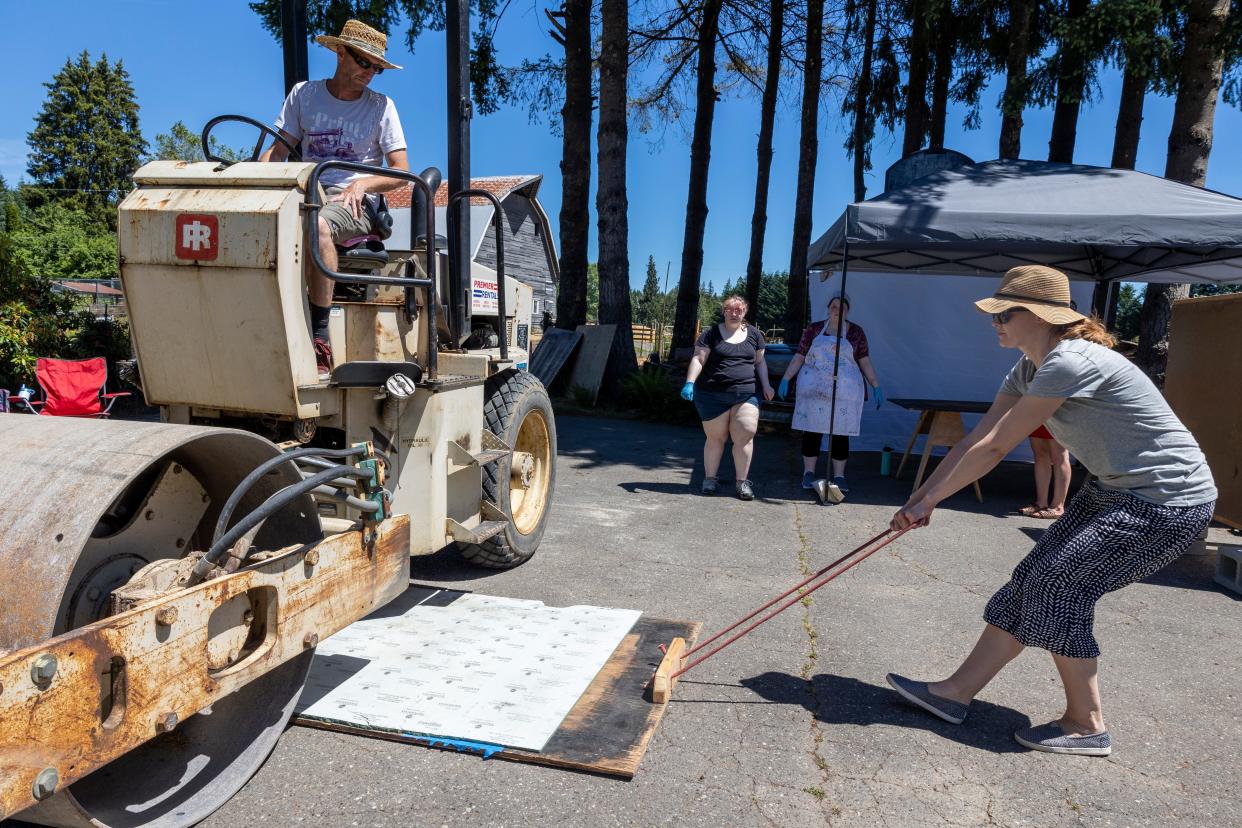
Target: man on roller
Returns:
[342, 119]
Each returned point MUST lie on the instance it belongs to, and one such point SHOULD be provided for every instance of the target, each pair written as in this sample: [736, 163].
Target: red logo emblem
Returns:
[198, 236]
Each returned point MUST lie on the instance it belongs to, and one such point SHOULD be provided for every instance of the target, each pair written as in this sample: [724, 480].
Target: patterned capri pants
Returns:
[1107, 539]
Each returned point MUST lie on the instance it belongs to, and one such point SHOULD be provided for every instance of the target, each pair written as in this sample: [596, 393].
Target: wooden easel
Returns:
[943, 428]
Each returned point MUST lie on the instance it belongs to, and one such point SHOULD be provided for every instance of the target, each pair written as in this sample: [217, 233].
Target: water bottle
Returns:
[25, 393]
[886, 461]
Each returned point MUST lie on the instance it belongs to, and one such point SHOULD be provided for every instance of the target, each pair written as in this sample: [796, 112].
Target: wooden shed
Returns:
[530, 250]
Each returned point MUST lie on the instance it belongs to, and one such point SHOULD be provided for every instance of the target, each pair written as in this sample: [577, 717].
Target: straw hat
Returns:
[1042, 290]
[358, 35]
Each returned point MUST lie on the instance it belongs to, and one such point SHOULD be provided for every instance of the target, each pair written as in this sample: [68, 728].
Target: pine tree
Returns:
[86, 142]
[650, 301]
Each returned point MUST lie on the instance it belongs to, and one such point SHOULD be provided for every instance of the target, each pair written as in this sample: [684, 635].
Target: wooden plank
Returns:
[555, 348]
[665, 678]
[588, 368]
[164, 647]
[610, 727]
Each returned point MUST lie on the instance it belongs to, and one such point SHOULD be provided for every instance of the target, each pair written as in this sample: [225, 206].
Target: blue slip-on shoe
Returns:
[839, 482]
[916, 692]
[808, 480]
[710, 486]
[1051, 739]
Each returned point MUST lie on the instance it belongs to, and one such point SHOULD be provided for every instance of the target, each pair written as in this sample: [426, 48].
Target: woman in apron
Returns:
[818, 352]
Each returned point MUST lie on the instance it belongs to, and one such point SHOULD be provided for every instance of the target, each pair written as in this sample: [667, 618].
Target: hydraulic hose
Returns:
[263, 468]
[269, 507]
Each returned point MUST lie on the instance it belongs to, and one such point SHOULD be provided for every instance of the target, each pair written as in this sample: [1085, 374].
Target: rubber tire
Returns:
[507, 398]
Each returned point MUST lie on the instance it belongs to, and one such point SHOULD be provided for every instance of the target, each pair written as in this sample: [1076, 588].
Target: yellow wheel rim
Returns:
[529, 479]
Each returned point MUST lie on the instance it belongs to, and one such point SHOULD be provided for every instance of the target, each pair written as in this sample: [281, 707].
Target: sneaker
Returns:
[323, 359]
[839, 482]
[1051, 739]
[710, 485]
[808, 480]
[916, 692]
[745, 491]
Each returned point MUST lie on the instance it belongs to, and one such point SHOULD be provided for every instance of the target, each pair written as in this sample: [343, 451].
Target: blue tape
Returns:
[460, 745]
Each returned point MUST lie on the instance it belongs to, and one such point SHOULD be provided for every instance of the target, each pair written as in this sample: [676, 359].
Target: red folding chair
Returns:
[72, 388]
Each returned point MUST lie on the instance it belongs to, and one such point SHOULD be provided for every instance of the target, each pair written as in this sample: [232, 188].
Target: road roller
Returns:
[165, 583]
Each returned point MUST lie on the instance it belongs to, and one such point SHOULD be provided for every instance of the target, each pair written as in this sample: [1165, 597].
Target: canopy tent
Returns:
[1093, 223]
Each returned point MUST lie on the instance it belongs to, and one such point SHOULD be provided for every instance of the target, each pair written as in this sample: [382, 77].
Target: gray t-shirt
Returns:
[363, 131]
[1117, 423]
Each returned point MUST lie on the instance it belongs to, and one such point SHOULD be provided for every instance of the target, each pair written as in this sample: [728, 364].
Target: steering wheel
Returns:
[264, 131]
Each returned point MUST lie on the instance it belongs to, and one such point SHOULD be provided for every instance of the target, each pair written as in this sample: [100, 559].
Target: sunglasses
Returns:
[363, 63]
[1003, 317]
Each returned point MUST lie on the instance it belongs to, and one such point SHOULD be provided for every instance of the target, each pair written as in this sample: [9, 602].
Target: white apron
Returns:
[813, 405]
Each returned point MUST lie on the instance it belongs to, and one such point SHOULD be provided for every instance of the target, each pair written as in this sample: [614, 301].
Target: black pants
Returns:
[811, 441]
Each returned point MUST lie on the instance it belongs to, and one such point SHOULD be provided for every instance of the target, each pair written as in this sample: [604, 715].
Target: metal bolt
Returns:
[312, 558]
[166, 616]
[311, 640]
[92, 594]
[45, 784]
[150, 515]
[166, 723]
[43, 670]
[248, 617]
[176, 469]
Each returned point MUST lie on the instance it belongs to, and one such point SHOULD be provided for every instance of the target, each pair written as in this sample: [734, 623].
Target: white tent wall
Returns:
[927, 341]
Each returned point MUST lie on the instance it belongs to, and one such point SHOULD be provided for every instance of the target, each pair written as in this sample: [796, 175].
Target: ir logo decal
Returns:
[197, 237]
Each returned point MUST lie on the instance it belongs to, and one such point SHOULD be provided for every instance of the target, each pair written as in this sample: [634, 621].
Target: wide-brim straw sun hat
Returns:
[1042, 290]
[358, 35]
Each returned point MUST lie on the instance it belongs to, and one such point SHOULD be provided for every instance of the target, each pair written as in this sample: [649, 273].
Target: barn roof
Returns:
[501, 186]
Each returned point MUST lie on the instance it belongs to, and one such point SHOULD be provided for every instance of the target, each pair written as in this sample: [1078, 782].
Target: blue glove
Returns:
[879, 396]
[782, 390]
[687, 391]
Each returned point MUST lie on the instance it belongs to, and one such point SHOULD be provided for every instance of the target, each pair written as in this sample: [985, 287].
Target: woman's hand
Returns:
[768, 393]
[914, 513]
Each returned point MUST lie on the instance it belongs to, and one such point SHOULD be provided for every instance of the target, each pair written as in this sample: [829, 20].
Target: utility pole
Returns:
[457, 37]
[293, 37]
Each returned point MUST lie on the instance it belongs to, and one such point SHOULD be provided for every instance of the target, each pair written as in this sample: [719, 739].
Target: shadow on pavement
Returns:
[844, 700]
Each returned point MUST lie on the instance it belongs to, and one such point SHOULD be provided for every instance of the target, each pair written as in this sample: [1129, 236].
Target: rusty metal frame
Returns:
[151, 662]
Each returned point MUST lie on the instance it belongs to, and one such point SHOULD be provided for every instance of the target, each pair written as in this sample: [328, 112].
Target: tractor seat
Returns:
[362, 253]
[366, 253]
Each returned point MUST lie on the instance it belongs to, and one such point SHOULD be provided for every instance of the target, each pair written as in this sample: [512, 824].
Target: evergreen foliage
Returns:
[86, 142]
[647, 305]
[181, 144]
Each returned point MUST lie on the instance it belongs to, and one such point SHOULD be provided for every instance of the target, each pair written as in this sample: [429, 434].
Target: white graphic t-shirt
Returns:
[363, 131]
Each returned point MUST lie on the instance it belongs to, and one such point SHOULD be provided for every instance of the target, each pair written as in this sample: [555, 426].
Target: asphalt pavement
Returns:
[794, 725]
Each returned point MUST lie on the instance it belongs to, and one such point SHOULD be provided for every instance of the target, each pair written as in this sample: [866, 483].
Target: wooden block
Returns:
[664, 681]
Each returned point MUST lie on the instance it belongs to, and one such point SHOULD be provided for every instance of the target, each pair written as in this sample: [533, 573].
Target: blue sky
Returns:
[191, 61]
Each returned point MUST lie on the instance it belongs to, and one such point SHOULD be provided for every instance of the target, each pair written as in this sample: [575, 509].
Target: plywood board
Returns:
[1203, 384]
[609, 728]
[588, 368]
[552, 352]
[463, 666]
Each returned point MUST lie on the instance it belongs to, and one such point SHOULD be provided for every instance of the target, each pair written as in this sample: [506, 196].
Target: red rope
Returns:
[852, 563]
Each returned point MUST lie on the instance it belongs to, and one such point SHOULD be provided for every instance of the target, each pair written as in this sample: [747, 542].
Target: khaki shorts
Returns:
[344, 224]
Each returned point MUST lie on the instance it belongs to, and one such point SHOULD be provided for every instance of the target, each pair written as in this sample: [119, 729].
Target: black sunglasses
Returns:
[363, 63]
[1003, 317]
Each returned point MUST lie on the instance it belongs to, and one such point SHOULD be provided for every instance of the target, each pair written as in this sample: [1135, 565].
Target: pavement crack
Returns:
[810, 663]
